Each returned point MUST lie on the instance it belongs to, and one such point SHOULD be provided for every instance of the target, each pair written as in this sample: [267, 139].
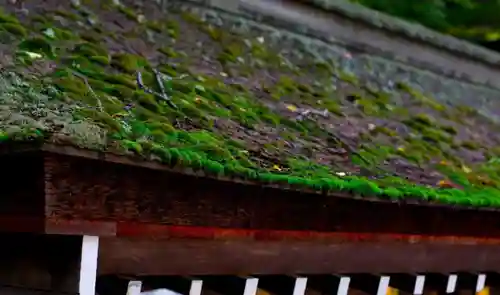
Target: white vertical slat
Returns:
[300, 286]
[196, 287]
[383, 285]
[481, 281]
[134, 288]
[251, 285]
[88, 265]
[452, 283]
[419, 285]
[344, 286]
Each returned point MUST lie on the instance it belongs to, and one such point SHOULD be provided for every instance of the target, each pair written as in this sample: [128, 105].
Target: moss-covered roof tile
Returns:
[168, 87]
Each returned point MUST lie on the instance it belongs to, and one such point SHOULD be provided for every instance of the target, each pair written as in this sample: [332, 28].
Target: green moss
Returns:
[173, 28]
[89, 49]
[67, 14]
[15, 29]
[434, 136]
[147, 101]
[100, 60]
[349, 78]
[466, 111]
[129, 13]
[128, 63]
[58, 34]
[71, 84]
[332, 107]
[91, 36]
[368, 106]
[449, 129]
[102, 118]
[168, 51]
[7, 18]
[470, 145]
[413, 154]
[420, 98]
[384, 130]
[214, 33]
[155, 26]
[424, 120]
[38, 45]
[216, 123]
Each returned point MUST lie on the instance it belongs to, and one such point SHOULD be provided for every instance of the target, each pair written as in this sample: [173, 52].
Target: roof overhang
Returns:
[231, 226]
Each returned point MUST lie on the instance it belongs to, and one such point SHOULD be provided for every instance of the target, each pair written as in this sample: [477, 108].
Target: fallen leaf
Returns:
[466, 169]
[291, 107]
[446, 184]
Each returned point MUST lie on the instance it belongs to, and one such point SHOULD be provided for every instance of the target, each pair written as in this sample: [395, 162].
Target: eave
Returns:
[146, 213]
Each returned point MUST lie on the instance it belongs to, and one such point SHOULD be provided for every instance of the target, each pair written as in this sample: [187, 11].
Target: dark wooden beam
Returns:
[224, 257]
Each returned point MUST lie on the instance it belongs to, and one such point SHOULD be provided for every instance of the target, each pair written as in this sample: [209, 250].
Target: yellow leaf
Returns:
[119, 115]
[466, 169]
[485, 291]
[276, 167]
[291, 107]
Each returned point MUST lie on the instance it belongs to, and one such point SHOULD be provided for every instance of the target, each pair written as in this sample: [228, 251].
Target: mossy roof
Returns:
[88, 75]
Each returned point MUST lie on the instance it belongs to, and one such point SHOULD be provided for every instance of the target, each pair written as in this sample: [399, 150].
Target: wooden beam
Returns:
[203, 257]
[264, 205]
